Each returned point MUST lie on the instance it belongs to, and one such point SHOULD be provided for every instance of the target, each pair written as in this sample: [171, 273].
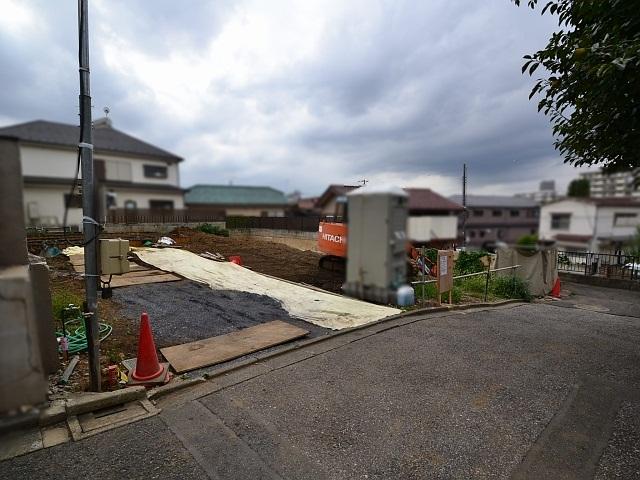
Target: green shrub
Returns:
[528, 240]
[213, 230]
[469, 262]
[510, 287]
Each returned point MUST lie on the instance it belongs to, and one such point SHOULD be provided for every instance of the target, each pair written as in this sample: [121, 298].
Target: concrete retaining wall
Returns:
[292, 238]
[601, 281]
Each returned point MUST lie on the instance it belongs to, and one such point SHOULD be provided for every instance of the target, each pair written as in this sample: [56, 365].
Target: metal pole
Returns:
[424, 267]
[464, 205]
[486, 285]
[88, 201]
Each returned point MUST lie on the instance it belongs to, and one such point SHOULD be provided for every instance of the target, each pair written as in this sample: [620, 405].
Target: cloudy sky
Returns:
[298, 94]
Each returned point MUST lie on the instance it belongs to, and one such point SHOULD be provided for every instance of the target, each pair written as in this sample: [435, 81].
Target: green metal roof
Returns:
[234, 195]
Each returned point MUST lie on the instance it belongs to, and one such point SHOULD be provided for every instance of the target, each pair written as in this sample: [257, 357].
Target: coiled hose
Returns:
[78, 338]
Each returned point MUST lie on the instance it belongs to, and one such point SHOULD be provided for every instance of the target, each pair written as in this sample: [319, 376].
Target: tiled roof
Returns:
[499, 201]
[234, 195]
[105, 138]
[427, 199]
[333, 191]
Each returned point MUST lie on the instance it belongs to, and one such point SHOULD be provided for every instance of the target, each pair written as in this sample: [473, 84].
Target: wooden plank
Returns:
[133, 267]
[222, 348]
[117, 281]
[141, 273]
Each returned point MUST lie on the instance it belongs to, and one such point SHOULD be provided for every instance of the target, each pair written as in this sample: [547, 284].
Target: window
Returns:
[497, 213]
[163, 205]
[481, 233]
[472, 234]
[560, 221]
[155, 171]
[515, 213]
[130, 205]
[73, 202]
[532, 213]
[625, 219]
[478, 213]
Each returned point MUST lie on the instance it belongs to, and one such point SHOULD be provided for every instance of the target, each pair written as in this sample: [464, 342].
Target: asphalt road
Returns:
[529, 391]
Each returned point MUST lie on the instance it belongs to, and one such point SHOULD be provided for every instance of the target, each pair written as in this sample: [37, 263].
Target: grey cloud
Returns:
[448, 72]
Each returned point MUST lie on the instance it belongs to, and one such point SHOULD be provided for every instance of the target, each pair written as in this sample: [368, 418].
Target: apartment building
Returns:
[495, 218]
[619, 184]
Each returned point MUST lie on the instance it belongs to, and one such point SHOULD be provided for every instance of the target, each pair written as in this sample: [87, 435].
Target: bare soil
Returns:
[265, 257]
[261, 256]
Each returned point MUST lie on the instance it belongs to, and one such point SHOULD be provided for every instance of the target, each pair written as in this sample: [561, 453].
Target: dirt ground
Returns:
[265, 257]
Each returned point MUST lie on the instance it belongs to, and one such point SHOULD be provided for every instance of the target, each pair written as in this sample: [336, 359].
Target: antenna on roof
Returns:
[364, 181]
[106, 111]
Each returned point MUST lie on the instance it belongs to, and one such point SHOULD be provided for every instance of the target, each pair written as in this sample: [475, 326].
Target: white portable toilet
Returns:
[376, 246]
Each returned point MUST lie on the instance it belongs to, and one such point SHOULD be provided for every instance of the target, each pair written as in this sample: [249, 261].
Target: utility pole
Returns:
[464, 204]
[89, 224]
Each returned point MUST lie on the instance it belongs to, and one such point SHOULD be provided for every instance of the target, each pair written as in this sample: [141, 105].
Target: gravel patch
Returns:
[621, 458]
[186, 311]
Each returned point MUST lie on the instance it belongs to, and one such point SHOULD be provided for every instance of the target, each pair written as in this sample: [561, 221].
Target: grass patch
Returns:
[61, 298]
[472, 289]
[213, 230]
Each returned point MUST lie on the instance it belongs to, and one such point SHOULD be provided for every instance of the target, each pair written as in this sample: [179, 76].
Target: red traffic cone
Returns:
[555, 292]
[147, 365]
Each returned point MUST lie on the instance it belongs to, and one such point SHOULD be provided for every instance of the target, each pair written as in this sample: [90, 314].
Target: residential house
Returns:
[327, 203]
[432, 218]
[493, 218]
[129, 173]
[590, 224]
[618, 184]
[235, 200]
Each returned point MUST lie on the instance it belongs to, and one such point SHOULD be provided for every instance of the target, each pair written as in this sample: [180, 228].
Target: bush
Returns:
[528, 240]
[469, 262]
[213, 230]
[510, 287]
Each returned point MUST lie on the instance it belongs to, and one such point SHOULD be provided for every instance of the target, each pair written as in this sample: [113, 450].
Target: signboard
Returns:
[445, 272]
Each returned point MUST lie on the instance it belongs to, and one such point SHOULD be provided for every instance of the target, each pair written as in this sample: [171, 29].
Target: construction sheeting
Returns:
[538, 268]
[320, 308]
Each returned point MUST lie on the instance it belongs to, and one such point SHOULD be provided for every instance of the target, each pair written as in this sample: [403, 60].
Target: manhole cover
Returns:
[591, 308]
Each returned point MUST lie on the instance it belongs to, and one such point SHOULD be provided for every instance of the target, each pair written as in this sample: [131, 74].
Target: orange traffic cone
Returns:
[147, 365]
[555, 292]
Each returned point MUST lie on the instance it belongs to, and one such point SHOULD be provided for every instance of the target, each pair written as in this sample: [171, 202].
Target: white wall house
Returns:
[590, 224]
[130, 174]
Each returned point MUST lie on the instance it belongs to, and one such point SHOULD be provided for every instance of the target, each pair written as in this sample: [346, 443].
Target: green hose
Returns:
[78, 339]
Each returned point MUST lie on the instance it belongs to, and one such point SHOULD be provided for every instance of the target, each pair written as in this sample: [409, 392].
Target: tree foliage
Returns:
[579, 187]
[591, 91]
[633, 246]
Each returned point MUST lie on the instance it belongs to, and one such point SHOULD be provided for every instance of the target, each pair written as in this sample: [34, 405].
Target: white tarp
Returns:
[320, 308]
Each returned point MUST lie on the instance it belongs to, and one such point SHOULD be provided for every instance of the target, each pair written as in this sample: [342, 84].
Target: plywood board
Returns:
[124, 281]
[210, 351]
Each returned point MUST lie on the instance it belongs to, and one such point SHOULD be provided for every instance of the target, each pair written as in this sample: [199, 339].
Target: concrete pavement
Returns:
[525, 391]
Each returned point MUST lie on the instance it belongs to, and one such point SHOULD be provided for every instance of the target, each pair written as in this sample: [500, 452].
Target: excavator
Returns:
[332, 243]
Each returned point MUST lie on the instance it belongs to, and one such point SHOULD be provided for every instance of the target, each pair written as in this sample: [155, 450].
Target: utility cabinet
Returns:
[376, 246]
[113, 256]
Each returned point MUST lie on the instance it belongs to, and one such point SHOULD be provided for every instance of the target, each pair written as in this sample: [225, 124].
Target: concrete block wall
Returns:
[22, 378]
[292, 238]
